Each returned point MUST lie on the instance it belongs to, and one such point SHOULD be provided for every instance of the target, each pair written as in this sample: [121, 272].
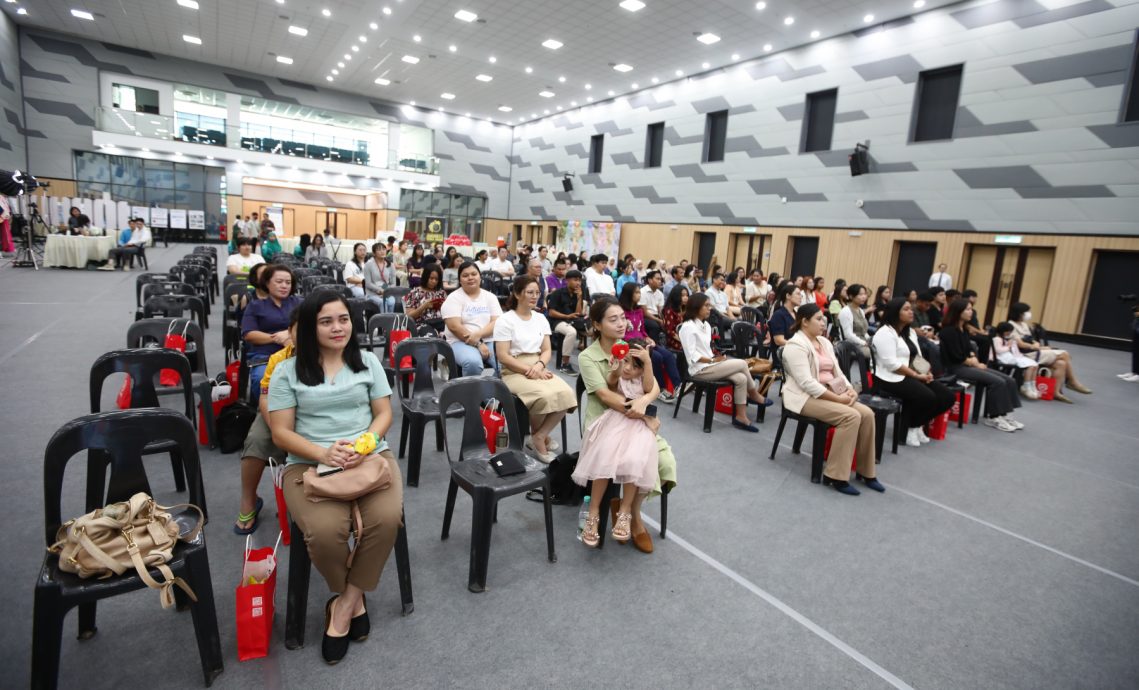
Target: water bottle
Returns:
[582, 516]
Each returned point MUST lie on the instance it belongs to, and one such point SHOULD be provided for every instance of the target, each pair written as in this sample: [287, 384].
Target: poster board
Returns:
[587, 237]
[197, 220]
[177, 219]
[277, 215]
[141, 212]
[159, 217]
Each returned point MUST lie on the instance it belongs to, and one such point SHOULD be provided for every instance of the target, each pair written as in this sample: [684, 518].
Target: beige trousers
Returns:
[853, 434]
[569, 343]
[734, 370]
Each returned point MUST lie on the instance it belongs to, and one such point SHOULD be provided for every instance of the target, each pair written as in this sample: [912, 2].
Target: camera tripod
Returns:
[30, 225]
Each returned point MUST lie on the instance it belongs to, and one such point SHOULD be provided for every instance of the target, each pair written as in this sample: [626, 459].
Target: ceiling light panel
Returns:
[552, 43]
[190, 4]
[298, 31]
[484, 77]
[192, 39]
[83, 14]
[708, 38]
[410, 59]
[632, 5]
[466, 16]
[622, 67]
[284, 60]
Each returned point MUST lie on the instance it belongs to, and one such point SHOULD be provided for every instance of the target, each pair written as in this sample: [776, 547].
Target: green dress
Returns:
[593, 362]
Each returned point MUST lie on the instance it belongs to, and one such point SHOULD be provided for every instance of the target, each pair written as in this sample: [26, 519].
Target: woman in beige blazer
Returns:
[814, 386]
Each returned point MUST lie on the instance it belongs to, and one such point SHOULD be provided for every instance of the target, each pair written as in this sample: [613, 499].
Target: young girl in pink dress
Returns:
[618, 448]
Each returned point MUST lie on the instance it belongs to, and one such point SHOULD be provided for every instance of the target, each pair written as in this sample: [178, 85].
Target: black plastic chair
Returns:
[398, 293]
[362, 310]
[420, 404]
[300, 571]
[883, 405]
[471, 470]
[142, 333]
[818, 437]
[235, 298]
[196, 275]
[339, 288]
[176, 306]
[118, 439]
[700, 389]
[148, 279]
[311, 281]
[166, 287]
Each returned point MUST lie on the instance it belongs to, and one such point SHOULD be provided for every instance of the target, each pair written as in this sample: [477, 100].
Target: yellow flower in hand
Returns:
[366, 443]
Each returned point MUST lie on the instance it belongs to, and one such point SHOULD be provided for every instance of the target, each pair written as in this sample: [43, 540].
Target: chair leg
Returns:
[452, 491]
[211, 425]
[439, 434]
[613, 490]
[982, 393]
[565, 441]
[403, 568]
[879, 434]
[709, 410]
[961, 409]
[415, 452]
[818, 446]
[551, 555]
[205, 617]
[87, 614]
[697, 393]
[481, 525]
[179, 470]
[800, 432]
[778, 434]
[898, 430]
[403, 436]
[679, 400]
[663, 514]
[47, 636]
[300, 569]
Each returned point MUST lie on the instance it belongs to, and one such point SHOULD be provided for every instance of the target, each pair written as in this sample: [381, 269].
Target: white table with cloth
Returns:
[74, 251]
[288, 244]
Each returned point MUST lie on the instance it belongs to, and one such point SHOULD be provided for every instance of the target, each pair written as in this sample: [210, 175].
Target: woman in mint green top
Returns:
[320, 402]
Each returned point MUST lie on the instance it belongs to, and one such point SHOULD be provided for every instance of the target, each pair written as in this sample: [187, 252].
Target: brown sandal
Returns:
[589, 535]
[622, 529]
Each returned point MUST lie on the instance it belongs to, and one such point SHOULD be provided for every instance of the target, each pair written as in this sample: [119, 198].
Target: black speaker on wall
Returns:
[859, 160]
[567, 184]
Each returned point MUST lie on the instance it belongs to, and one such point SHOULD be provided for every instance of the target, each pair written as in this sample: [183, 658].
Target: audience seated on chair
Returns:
[663, 360]
[354, 269]
[813, 385]
[566, 308]
[378, 277]
[852, 319]
[1020, 315]
[469, 314]
[136, 243]
[787, 299]
[270, 247]
[321, 400]
[422, 303]
[522, 347]
[905, 374]
[597, 278]
[265, 323]
[1008, 353]
[673, 315]
[244, 259]
[957, 354]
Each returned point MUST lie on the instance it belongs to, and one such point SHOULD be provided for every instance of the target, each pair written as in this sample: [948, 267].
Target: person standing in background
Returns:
[941, 279]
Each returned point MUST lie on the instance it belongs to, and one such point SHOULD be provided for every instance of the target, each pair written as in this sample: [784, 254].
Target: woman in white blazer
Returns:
[814, 385]
[902, 372]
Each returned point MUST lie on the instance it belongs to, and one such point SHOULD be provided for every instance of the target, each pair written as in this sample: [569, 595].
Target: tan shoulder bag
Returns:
[371, 475]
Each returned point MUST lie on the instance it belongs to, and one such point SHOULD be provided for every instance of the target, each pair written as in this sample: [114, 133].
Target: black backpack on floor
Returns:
[563, 491]
[233, 424]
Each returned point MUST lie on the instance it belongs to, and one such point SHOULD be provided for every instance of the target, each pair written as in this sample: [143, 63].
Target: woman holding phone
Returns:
[422, 302]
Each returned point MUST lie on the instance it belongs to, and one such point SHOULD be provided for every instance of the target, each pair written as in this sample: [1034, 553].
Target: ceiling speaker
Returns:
[567, 184]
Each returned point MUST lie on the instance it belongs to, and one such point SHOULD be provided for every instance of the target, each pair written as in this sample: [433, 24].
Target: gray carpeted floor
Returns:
[992, 561]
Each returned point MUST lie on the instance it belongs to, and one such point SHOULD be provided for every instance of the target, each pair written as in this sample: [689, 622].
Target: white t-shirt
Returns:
[652, 301]
[475, 313]
[756, 294]
[525, 337]
[599, 283]
[351, 270]
[501, 266]
[718, 298]
[243, 262]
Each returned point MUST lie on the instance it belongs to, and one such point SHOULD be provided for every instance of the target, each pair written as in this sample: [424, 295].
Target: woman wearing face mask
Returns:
[1060, 361]
[813, 385]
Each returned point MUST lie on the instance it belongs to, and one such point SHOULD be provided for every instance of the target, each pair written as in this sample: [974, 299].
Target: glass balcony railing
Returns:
[274, 140]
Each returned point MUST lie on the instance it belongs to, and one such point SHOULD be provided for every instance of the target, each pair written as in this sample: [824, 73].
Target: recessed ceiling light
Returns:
[761, 6]
[705, 65]
[679, 73]
[573, 103]
[708, 38]
[815, 33]
[529, 70]
[145, 149]
[440, 108]
[589, 99]
[21, 10]
[83, 14]
[284, 60]
[546, 94]
[355, 49]
[622, 67]
[466, 16]
[192, 39]
[326, 12]
[336, 71]
[533, 115]
[383, 82]
[362, 38]
[656, 81]
[559, 108]
[298, 31]
[340, 64]
[453, 48]
[588, 87]
[466, 115]
[788, 21]
[918, 4]
[387, 10]
[209, 158]
[562, 79]
[412, 102]
[492, 59]
[868, 18]
[373, 26]
[635, 85]
[410, 59]
[483, 77]
[505, 108]
[329, 78]
[417, 38]
[552, 43]
[735, 56]
[632, 5]
[448, 96]
[191, 4]
[612, 92]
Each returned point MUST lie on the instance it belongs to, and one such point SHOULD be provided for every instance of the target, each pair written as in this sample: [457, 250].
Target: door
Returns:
[1114, 275]
[1005, 275]
[286, 225]
[335, 221]
[705, 249]
[747, 251]
[913, 266]
[804, 255]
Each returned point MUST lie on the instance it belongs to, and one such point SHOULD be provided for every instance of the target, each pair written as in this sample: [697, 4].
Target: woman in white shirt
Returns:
[705, 365]
[902, 372]
[469, 314]
[1060, 361]
[522, 345]
[354, 269]
[852, 319]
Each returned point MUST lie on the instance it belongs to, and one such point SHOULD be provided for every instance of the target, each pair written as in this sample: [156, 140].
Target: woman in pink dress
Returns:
[619, 448]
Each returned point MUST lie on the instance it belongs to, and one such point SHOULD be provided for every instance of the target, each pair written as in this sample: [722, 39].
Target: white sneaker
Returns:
[1130, 378]
[921, 435]
[912, 439]
[1012, 422]
[666, 398]
[999, 423]
[1029, 392]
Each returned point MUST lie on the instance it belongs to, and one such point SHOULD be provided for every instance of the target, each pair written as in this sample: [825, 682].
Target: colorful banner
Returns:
[587, 237]
[435, 229]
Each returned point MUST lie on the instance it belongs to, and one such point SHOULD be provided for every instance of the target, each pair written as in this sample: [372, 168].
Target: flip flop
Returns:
[249, 517]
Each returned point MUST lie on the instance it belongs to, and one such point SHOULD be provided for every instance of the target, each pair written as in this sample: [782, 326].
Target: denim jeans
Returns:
[386, 304]
[470, 361]
[256, 371]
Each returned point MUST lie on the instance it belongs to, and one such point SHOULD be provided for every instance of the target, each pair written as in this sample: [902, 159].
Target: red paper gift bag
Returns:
[255, 605]
[123, 399]
[954, 411]
[492, 423]
[169, 377]
[725, 400]
[827, 450]
[1045, 385]
[938, 427]
[277, 471]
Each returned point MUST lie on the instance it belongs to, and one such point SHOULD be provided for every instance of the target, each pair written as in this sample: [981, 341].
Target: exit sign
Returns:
[1009, 239]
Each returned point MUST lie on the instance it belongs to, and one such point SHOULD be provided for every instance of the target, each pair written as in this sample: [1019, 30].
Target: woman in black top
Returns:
[957, 354]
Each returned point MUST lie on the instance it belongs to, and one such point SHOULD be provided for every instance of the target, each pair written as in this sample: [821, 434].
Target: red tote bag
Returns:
[938, 427]
[1046, 385]
[493, 422]
[725, 400]
[169, 377]
[255, 605]
[955, 411]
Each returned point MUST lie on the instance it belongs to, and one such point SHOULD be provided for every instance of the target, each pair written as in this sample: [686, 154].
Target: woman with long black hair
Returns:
[1001, 396]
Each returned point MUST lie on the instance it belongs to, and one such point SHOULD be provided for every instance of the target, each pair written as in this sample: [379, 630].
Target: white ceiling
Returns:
[656, 40]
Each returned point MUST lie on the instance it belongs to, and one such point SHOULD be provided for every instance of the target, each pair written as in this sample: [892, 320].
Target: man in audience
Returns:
[544, 257]
[937, 309]
[927, 333]
[941, 279]
[978, 335]
[239, 264]
[717, 296]
[137, 242]
[597, 278]
[534, 270]
[756, 290]
[237, 229]
[675, 277]
[557, 279]
[501, 264]
[652, 298]
[566, 313]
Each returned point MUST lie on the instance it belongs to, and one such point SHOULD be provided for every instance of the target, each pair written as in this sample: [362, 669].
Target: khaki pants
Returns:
[326, 525]
[734, 370]
[854, 431]
[569, 343]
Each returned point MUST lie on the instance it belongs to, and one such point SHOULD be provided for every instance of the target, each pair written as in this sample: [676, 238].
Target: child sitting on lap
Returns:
[1004, 345]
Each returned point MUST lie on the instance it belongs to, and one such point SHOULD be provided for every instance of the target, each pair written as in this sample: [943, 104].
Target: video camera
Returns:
[17, 183]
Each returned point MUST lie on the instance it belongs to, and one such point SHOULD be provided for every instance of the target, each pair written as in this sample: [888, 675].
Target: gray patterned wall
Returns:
[1036, 147]
[61, 82]
[13, 150]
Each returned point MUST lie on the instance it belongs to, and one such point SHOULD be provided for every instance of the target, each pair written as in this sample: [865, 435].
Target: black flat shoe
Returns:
[873, 483]
[841, 486]
[333, 649]
[360, 626]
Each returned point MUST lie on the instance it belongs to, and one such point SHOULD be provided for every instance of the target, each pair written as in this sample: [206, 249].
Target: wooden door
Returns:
[1003, 276]
[979, 273]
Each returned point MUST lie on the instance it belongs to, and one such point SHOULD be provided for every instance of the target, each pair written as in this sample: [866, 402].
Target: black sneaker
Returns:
[568, 369]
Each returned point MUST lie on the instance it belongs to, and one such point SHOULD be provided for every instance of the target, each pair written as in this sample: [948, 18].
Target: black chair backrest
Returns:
[682, 365]
[470, 392]
[310, 282]
[236, 297]
[423, 352]
[579, 391]
[120, 438]
[145, 331]
[398, 293]
[744, 339]
[143, 365]
[166, 288]
[175, 306]
[362, 311]
[302, 273]
[148, 279]
[848, 354]
[234, 279]
[750, 315]
[342, 290]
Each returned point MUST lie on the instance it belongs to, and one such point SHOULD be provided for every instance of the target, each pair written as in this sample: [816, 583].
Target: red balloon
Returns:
[620, 349]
